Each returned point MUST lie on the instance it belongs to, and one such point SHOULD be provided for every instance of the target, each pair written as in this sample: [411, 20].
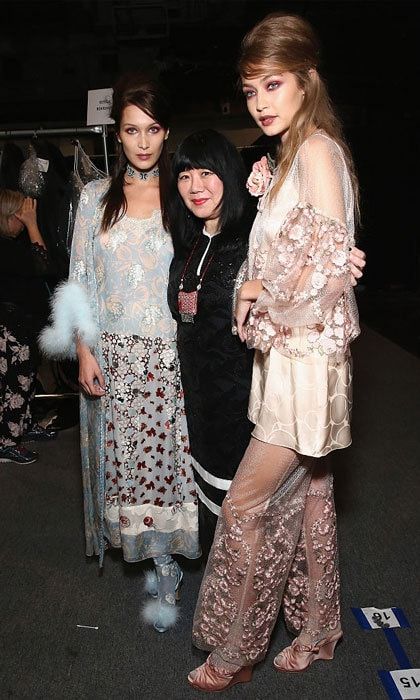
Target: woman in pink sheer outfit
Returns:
[275, 543]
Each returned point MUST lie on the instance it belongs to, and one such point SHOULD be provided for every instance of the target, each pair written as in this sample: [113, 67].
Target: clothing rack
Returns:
[71, 131]
[67, 131]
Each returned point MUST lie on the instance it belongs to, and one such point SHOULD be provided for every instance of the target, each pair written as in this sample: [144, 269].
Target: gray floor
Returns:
[49, 587]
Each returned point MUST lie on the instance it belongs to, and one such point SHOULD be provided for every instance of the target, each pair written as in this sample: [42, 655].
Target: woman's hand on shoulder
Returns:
[357, 263]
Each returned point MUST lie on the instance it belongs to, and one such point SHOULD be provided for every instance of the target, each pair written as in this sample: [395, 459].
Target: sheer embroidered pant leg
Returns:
[311, 603]
[254, 546]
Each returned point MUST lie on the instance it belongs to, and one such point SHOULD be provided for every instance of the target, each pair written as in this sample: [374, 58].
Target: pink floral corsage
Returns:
[260, 177]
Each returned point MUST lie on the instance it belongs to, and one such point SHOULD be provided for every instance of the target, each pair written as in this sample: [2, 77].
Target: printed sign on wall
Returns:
[99, 107]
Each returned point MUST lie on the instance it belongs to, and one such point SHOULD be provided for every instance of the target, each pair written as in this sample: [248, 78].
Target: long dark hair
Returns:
[149, 95]
[210, 149]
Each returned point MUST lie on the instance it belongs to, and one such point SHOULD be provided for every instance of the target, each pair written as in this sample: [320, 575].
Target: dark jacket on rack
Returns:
[11, 159]
[52, 202]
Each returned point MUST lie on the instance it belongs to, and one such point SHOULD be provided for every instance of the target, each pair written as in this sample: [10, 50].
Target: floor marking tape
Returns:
[399, 653]
[403, 683]
[389, 685]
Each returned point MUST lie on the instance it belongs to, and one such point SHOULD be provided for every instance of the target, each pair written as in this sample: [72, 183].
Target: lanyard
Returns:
[181, 284]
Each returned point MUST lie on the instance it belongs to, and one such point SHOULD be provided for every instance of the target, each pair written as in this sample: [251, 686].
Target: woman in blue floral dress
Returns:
[139, 491]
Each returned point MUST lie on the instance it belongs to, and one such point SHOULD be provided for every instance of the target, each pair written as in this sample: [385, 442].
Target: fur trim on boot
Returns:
[161, 615]
[70, 314]
[150, 583]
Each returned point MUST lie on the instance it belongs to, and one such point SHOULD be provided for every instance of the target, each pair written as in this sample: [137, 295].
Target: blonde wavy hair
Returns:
[287, 43]
[10, 203]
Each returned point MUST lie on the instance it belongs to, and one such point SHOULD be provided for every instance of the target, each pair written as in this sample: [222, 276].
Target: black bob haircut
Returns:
[211, 150]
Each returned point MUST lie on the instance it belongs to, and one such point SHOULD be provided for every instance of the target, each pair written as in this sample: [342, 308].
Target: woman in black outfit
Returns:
[210, 219]
[23, 311]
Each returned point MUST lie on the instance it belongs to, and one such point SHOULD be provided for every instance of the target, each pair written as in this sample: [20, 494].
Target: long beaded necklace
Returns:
[141, 174]
[187, 301]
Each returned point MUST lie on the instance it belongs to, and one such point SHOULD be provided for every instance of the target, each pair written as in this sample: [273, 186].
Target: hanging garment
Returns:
[84, 171]
[10, 164]
[51, 203]
[31, 178]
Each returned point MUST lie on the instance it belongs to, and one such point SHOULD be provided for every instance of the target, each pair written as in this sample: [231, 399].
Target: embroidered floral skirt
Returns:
[150, 496]
[17, 387]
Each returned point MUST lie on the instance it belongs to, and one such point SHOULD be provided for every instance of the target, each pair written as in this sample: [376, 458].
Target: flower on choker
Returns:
[260, 177]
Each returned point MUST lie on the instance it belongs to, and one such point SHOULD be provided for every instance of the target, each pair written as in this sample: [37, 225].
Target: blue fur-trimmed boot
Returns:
[150, 583]
[163, 585]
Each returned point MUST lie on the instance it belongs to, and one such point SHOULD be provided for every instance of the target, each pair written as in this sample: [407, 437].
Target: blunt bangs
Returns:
[203, 149]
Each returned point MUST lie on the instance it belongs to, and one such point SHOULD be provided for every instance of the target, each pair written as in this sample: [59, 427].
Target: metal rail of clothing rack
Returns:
[67, 131]
[70, 131]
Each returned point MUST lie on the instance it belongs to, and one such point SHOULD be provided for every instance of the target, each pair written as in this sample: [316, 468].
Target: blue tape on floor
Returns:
[401, 617]
[361, 619]
[389, 685]
[396, 647]
[402, 684]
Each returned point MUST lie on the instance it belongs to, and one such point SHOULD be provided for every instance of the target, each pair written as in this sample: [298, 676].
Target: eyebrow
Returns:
[263, 77]
[136, 126]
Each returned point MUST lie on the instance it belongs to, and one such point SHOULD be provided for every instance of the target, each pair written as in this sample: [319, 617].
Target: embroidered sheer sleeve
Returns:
[307, 267]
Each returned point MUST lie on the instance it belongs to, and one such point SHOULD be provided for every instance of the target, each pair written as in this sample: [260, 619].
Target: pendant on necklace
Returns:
[187, 305]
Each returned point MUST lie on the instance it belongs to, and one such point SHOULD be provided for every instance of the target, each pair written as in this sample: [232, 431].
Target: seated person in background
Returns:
[23, 310]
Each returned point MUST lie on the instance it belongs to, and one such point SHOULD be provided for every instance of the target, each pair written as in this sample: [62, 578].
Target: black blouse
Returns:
[24, 269]
[216, 367]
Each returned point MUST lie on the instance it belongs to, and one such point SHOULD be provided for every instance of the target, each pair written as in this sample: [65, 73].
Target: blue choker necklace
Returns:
[141, 174]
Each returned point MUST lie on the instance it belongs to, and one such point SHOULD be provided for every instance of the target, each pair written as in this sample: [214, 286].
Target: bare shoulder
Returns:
[320, 155]
[320, 149]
